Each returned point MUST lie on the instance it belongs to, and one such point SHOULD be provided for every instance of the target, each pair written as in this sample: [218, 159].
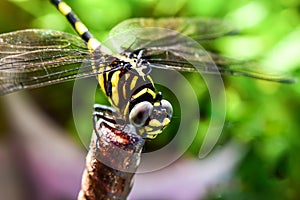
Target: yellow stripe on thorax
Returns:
[133, 82]
[115, 90]
[101, 81]
[143, 91]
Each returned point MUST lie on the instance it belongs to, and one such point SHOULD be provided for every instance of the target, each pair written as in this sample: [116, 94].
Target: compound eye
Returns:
[168, 107]
[140, 113]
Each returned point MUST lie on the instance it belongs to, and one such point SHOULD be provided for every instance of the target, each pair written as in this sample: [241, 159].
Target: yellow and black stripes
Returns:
[144, 93]
[79, 27]
[124, 88]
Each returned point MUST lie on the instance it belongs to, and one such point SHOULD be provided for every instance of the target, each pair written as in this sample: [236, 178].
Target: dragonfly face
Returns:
[151, 119]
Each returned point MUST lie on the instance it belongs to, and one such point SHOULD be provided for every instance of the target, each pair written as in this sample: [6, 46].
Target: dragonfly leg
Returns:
[108, 115]
[101, 113]
[105, 109]
[140, 54]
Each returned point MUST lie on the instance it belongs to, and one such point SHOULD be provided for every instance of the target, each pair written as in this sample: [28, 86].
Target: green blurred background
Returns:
[262, 116]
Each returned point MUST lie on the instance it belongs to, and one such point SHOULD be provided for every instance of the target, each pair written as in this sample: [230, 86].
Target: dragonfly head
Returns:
[151, 118]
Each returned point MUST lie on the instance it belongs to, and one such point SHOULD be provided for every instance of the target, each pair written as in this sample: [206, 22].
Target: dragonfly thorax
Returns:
[139, 65]
[131, 91]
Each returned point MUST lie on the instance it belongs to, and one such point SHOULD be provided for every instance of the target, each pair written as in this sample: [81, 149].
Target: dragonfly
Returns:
[35, 58]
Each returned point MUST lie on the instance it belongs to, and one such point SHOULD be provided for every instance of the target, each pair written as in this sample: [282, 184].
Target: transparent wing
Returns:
[191, 58]
[34, 58]
[168, 49]
[174, 60]
[199, 29]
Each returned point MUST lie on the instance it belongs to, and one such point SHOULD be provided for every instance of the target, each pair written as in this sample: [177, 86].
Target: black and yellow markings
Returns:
[115, 87]
[143, 92]
[79, 27]
[155, 126]
[125, 81]
[123, 87]
[128, 78]
[111, 86]
[133, 82]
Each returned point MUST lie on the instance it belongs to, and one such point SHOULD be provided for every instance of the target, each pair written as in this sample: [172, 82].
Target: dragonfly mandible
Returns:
[34, 58]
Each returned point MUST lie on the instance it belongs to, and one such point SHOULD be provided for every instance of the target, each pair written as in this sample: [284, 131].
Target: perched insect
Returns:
[35, 58]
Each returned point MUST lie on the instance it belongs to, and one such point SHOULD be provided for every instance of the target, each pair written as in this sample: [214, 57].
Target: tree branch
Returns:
[111, 162]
